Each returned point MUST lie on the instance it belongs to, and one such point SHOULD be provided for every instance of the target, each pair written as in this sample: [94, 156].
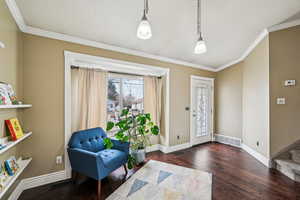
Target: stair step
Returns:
[289, 168]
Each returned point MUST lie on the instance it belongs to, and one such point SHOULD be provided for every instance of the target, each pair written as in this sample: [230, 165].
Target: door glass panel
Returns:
[201, 111]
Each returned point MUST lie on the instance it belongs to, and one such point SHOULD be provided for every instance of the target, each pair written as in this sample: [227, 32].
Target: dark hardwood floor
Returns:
[236, 176]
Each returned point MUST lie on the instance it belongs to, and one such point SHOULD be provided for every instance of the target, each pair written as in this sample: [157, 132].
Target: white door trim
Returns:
[191, 101]
[72, 58]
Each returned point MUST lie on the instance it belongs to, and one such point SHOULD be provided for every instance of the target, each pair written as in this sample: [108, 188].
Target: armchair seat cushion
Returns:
[88, 155]
[113, 158]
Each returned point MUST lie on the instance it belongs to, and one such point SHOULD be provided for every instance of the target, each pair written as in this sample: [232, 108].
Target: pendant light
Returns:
[144, 30]
[200, 47]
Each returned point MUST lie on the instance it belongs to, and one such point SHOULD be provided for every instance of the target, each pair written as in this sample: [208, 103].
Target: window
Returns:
[124, 92]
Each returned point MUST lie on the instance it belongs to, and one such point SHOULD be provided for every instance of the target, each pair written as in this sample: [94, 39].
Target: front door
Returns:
[201, 110]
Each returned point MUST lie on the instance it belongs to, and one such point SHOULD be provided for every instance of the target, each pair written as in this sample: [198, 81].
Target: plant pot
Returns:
[139, 155]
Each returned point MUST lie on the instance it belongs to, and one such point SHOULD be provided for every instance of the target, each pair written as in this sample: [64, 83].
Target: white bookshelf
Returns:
[11, 144]
[15, 106]
[11, 179]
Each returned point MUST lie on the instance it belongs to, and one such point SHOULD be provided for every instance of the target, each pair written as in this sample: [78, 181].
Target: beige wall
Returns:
[44, 88]
[273, 61]
[284, 65]
[256, 99]
[228, 101]
[10, 70]
[242, 100]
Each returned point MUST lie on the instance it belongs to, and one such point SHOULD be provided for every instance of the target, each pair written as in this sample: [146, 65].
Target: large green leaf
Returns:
[150, 124]
[155, 130]
[125, 138]
[121, 124]
[108, 143]
[131, 162]
[148, 116]
[142, 119]
[119, 135]
[109, 126]
[124, 112]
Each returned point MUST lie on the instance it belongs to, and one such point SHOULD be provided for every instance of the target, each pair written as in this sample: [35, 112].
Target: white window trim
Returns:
[88, 61]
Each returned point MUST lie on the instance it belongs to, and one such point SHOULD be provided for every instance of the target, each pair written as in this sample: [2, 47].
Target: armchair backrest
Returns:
[89, 140]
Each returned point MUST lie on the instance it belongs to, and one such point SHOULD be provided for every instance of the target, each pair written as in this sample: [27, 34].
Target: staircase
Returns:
[288, 163]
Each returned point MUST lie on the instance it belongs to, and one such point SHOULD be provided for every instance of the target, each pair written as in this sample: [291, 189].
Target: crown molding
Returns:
[284, 25]
[77, 40]
[16, 13]
[259, 38]
[252, 46]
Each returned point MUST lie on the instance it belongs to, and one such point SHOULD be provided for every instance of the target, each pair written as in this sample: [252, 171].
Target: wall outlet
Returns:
[280, 101]
[58, 160]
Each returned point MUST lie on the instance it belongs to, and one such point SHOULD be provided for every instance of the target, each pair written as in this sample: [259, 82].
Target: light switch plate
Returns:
[58, 160]
[280, 101]
[289, 82]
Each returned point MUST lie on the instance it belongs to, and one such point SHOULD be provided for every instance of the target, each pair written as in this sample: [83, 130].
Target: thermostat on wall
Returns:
[289, 82]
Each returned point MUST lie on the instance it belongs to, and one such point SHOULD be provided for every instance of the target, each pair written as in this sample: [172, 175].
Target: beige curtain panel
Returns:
[89, 95]
[153, 97]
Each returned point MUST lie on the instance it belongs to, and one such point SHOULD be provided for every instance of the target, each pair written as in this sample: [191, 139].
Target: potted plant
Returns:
[135, 129]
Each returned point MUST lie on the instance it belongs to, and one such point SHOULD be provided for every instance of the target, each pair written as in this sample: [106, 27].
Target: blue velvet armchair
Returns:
[88, 155]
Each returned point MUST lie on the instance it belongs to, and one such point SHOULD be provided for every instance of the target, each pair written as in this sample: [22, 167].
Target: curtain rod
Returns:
[113, 72]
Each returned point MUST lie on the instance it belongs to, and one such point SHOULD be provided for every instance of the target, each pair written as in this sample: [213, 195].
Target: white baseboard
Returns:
[152, 148]
[43, 179]
[17, 192]
[167, 149]
[224, 139]
[170, 149]
[261, 158]
[37, 181]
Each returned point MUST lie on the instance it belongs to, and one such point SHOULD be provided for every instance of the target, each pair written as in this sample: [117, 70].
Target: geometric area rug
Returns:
[162, 181]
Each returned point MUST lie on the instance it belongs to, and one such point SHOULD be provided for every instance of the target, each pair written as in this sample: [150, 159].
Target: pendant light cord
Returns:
[199, 17]
[146, 7]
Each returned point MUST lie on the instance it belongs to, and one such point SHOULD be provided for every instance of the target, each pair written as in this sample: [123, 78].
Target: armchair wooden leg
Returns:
[125, 168]
[74, 176]
[99, 190]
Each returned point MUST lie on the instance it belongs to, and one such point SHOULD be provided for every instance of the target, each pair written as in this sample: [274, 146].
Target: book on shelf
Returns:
[14, 128]
[3, 176]
[11, 165]
[7, 94]
[4, 97]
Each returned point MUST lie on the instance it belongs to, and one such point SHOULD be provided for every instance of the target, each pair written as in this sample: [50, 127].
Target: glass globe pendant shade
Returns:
[144, 30]
[200, 47]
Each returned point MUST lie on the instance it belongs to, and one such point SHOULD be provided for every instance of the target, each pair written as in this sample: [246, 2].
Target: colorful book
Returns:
[14, 128]
[4, 96]
[3, 176]
[11, 93]
[11, 166]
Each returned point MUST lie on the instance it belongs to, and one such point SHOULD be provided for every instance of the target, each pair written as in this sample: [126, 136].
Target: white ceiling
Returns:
[229, 26]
